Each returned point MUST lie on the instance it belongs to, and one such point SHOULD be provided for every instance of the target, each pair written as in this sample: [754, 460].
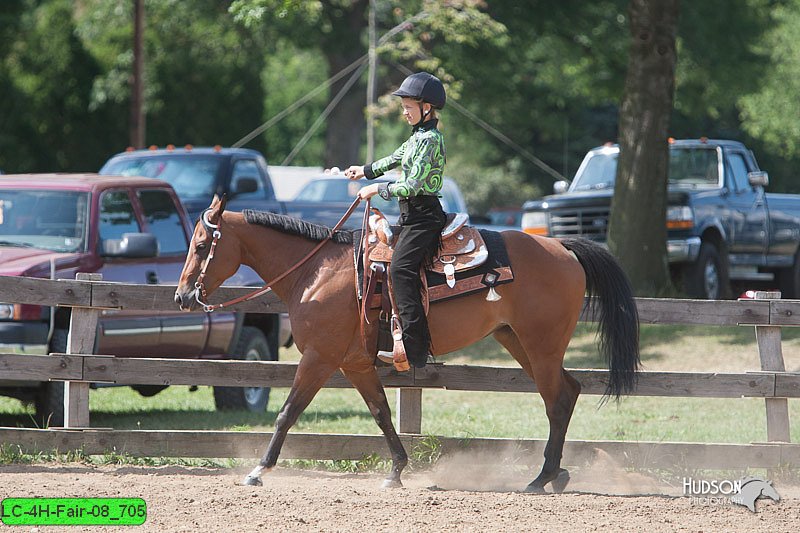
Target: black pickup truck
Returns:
[722, 227]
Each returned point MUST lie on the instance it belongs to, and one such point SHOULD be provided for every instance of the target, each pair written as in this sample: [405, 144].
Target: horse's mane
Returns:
[295, 226]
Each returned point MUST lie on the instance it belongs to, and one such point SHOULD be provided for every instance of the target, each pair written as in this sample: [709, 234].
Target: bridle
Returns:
[200, 293]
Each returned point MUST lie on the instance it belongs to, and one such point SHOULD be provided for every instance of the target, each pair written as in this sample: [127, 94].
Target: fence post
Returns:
[771, 354]
[409, 410]
[80, 340]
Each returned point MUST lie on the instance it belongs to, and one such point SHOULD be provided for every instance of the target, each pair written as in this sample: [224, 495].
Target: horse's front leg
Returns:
[371, 389]
[312, 373]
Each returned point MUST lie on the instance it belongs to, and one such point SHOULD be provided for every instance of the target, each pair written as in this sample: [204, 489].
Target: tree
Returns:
[637, 232]
[337, 28]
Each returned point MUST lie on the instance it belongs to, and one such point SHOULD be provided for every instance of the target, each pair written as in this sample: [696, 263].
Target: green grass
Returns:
[483, 414]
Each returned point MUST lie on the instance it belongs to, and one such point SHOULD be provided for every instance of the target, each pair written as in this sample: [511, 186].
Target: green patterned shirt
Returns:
[422, 158]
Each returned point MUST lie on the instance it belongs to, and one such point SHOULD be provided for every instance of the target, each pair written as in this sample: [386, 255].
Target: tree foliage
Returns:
[546, 73]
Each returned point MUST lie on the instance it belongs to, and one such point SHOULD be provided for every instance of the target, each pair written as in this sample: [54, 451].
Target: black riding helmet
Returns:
[425, 87]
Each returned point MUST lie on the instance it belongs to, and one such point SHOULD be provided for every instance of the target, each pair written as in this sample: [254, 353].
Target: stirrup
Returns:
[386, 357]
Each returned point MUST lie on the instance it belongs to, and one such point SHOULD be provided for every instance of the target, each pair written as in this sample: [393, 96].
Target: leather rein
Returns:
[200, 294]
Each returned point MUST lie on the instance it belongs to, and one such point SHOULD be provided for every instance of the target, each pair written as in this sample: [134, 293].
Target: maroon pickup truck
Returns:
[131, 230]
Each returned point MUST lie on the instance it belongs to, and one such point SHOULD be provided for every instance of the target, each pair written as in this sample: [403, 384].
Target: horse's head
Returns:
[211, 259]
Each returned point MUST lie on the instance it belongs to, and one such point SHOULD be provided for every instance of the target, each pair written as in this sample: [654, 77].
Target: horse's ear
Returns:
[217, 207]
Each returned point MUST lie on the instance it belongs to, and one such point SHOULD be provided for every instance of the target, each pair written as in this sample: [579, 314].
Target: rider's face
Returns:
[411, 110]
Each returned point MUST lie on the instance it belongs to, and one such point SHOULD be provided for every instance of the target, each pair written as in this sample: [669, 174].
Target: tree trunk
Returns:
[346, 122]
[342, 45]
[637, 232]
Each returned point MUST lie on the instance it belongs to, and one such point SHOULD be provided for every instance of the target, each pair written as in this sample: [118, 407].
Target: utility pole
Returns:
[371, 82]
[137, 89]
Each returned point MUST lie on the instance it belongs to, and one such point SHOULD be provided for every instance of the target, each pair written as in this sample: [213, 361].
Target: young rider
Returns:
[422, 159]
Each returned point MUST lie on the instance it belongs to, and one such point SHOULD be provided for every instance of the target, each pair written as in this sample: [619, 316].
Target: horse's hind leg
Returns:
[560, 391]
[371, 389]
[312, 373]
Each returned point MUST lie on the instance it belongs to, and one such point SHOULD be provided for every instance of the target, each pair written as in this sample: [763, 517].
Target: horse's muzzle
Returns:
[185, 300]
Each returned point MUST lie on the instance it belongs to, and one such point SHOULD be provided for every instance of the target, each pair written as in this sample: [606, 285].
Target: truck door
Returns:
[750, 235]
[182, 334]
[125, 333]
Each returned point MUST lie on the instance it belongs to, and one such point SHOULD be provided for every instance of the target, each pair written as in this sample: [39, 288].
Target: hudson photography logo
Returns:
[721, 492]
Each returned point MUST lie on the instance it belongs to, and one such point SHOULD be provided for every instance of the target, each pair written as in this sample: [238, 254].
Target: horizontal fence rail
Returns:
[328, 446]
[78, 368]
[150, 371]
[109, 295]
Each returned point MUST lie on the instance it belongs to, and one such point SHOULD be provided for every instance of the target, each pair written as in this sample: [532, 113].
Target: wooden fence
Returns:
[79, 367]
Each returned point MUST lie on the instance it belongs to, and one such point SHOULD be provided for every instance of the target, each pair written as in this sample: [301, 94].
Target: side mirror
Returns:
[560, 187]
[131, 246]
[759, 177]
[245, 184]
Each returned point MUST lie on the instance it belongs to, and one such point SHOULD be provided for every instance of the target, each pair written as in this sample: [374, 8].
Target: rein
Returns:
[200, 290]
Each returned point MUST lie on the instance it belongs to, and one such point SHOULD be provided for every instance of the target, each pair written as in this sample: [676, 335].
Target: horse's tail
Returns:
[618, 319]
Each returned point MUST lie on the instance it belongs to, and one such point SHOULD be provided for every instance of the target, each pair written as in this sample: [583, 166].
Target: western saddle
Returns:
[462, 248]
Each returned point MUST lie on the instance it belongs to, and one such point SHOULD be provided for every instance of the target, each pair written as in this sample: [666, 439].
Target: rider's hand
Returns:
[368, 191]
[354, 172]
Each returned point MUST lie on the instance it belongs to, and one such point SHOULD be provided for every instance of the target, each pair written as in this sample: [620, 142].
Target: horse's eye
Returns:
[200, 246]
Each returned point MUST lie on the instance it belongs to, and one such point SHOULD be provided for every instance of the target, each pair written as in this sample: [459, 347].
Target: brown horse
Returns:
[534, 320]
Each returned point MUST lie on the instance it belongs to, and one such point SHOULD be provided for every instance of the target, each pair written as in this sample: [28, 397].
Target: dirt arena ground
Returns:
[451, 497]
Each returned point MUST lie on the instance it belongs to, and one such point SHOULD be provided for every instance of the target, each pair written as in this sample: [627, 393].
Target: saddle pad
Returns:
[496, 270]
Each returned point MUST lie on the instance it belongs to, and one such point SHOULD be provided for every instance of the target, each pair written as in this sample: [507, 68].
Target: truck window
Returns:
[192, 176]
[247, 168]
[54, 220]
[117, 215]
[694, 167]
[163, 221]
[599, 172]
[738, 169]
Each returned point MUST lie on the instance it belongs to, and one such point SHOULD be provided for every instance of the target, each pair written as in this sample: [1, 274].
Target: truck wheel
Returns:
[706, 278]
[148, 390]
[50, 399]
[252, 346]
[789, 279]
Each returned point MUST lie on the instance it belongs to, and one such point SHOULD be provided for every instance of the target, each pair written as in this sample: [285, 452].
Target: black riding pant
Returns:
[422, 220]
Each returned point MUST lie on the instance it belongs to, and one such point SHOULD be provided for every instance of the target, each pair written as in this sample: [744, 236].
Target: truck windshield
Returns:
[51, 220]
[688, 166]
[191, 177]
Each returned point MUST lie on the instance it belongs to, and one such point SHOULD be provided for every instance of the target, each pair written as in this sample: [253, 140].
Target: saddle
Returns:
[467, 261]
[462, 246]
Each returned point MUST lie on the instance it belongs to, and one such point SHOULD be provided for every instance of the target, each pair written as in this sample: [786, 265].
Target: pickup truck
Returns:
[722, 227]
[197, 174]
[131, 230]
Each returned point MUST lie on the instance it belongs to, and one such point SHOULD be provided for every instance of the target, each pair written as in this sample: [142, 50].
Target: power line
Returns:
[321, 118]
[505, 139]
[327, 83]
[311, 94]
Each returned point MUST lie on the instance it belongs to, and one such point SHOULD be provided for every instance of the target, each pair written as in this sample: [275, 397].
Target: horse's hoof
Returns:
[252, 481]
[392, 484]
[535, 488]
[560, 482]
